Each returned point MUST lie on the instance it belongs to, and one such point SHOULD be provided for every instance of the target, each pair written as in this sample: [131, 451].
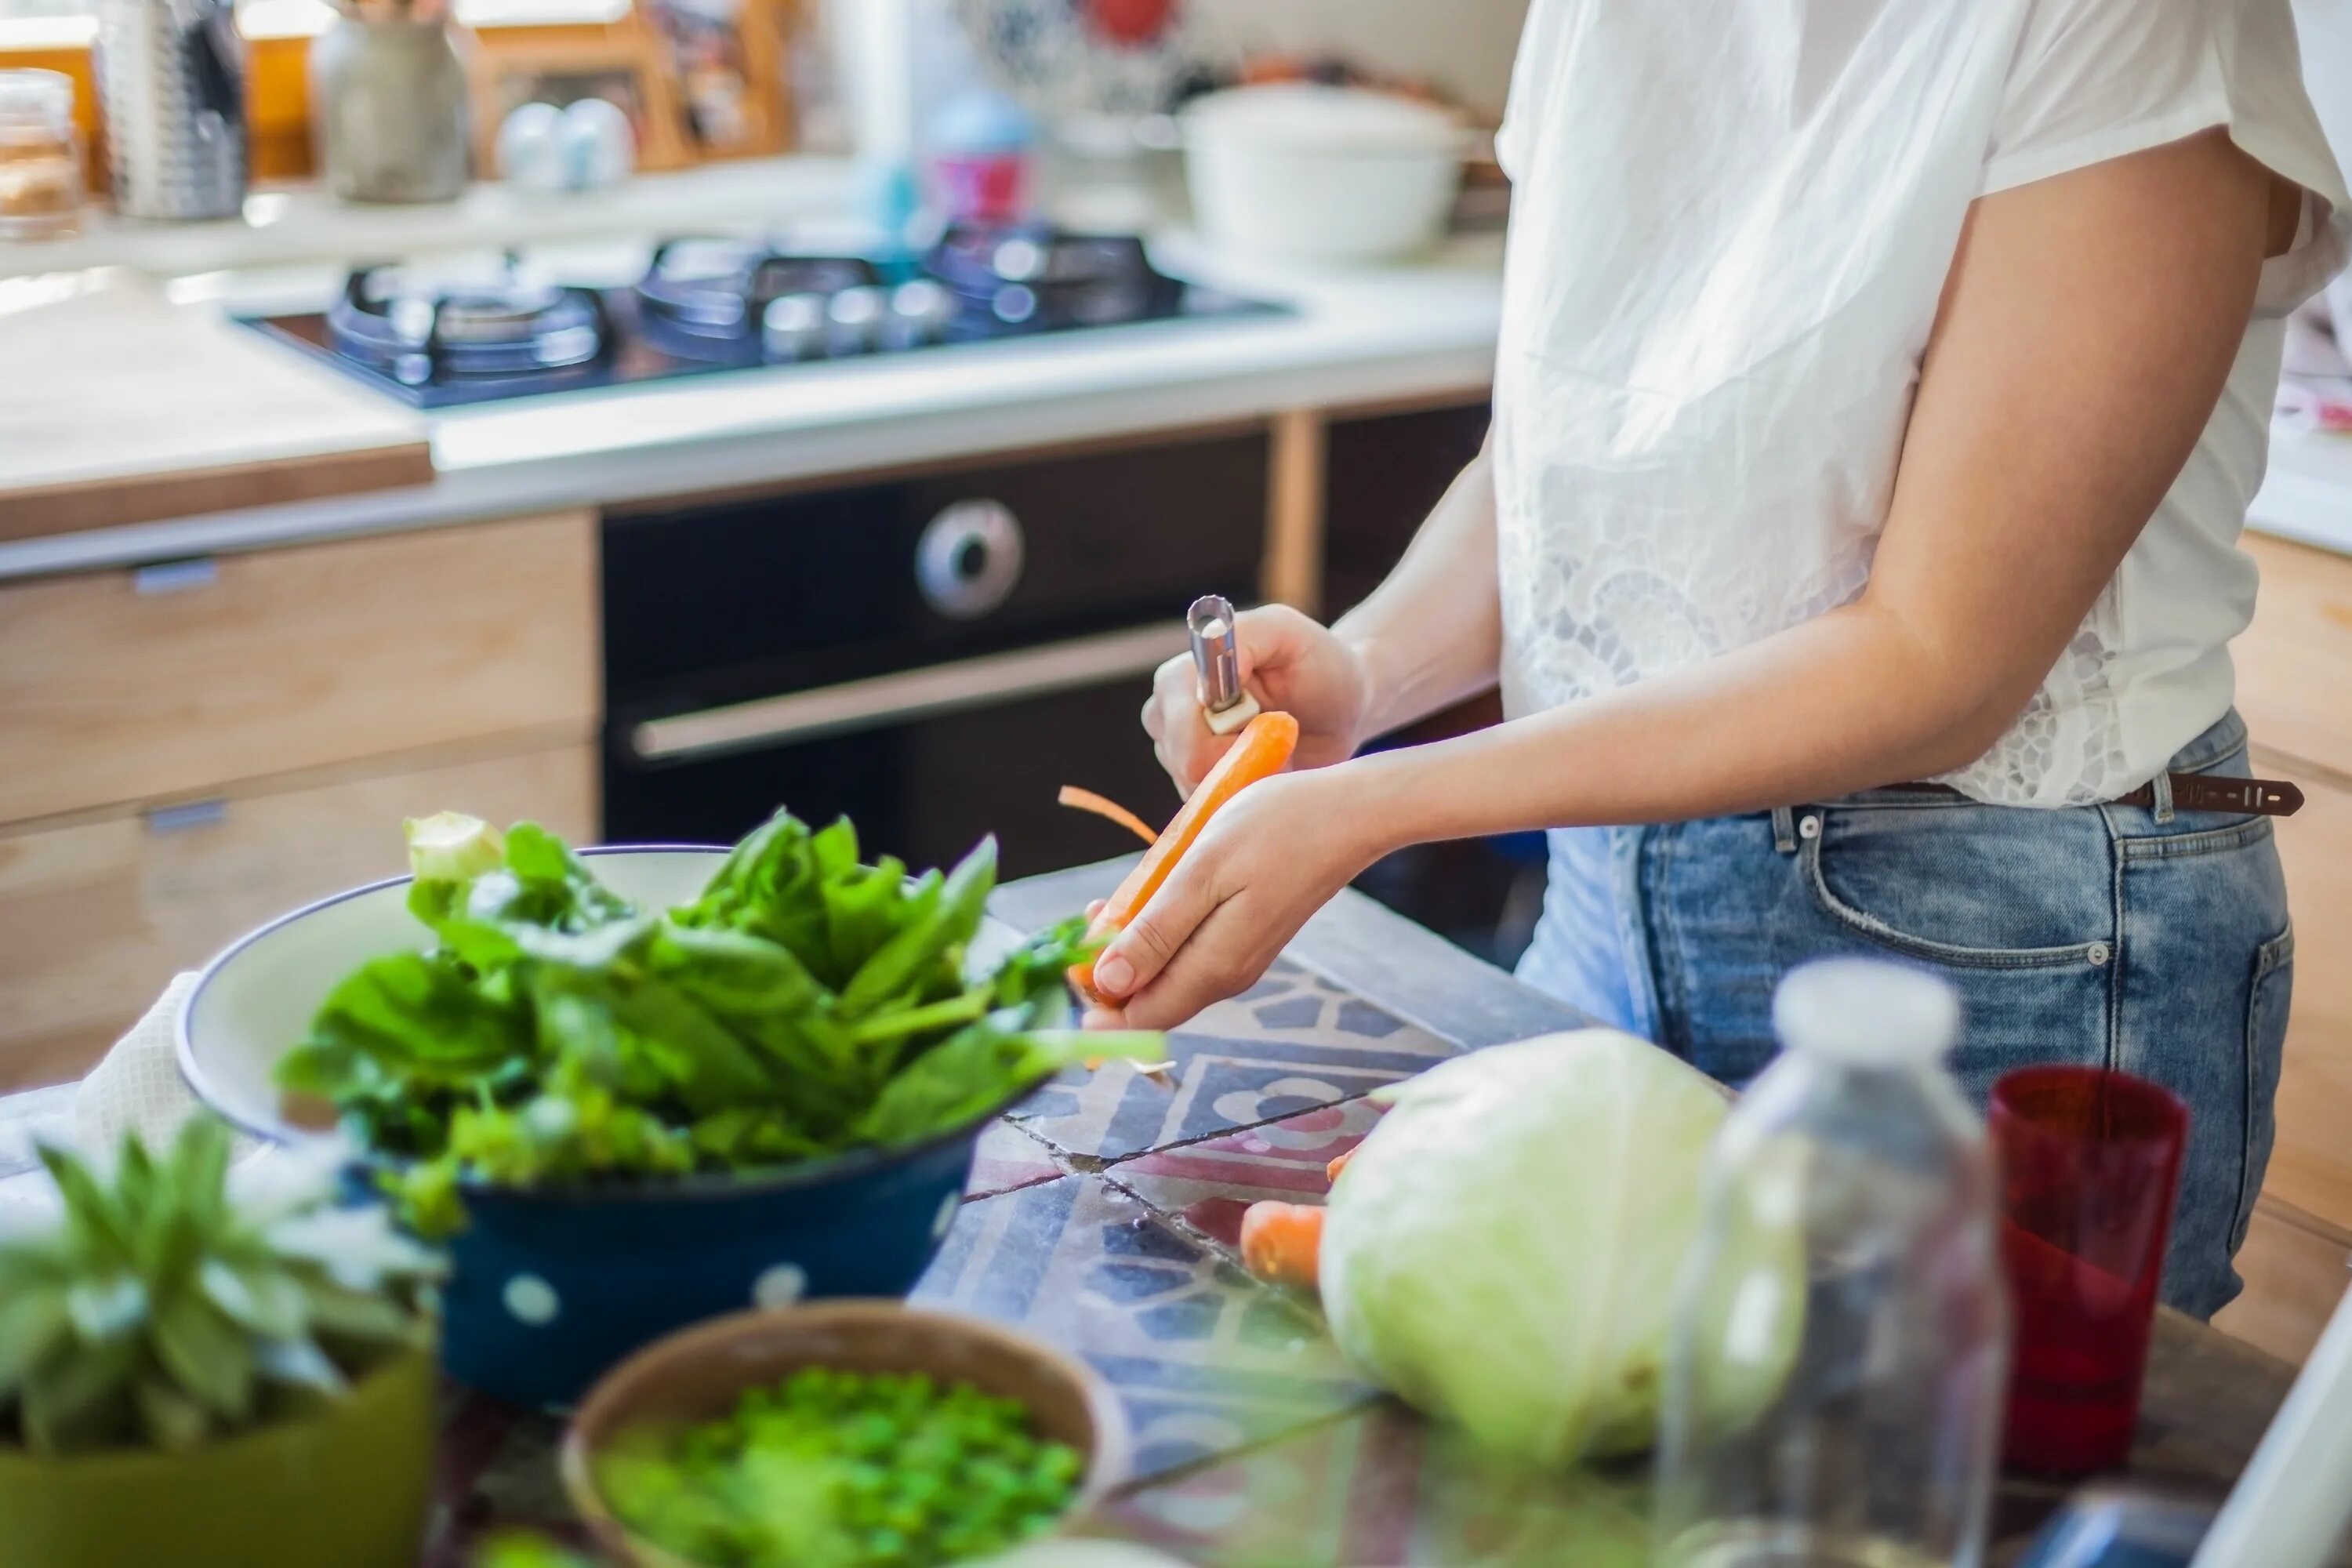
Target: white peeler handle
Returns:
[1225, 720]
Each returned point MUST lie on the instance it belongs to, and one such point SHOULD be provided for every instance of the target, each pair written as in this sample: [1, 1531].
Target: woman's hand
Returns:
[1291, 664]
[1274, 854]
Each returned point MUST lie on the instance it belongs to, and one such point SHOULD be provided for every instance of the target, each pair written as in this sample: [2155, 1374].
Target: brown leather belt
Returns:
[2190, 792]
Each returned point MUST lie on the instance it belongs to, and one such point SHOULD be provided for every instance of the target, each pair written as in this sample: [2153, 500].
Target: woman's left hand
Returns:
[1267, 862]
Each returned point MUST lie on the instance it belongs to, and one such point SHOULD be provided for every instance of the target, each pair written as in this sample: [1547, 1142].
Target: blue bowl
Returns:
[550, 1287]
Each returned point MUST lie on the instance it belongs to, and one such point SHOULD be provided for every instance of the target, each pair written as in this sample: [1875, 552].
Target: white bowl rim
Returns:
[693, 1184]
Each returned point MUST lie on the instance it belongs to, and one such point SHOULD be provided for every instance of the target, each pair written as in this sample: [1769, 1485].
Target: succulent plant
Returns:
[168, 1303]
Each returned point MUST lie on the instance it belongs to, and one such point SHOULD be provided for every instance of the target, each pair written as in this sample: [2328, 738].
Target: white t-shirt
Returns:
[1732, 222]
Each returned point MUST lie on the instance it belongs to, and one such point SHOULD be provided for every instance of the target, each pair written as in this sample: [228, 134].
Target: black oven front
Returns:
[930, 657]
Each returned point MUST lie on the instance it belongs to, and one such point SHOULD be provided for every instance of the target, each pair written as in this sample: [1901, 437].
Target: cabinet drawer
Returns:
[97, 917]
[121, 686]
[2296, 1269]
[2311, 1165]
[2292, 660]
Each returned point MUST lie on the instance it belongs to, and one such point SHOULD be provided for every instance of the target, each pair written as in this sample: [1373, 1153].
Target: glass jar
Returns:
[40, 155]
[1835, 1374]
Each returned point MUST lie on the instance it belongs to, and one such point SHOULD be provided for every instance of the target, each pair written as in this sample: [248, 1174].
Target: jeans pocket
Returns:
[2266, 1010]
[1967, 887]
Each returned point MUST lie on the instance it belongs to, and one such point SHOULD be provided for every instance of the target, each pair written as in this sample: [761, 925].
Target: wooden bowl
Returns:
[700, 1374]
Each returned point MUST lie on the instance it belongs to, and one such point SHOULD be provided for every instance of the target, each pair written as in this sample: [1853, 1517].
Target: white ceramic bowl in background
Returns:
[254, 1002]
[1321, 173]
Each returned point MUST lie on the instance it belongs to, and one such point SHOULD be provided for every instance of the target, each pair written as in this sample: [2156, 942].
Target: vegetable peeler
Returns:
[1215, 659]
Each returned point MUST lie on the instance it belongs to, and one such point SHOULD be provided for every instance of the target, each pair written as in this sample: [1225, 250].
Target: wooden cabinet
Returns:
[96, 916]
[2295, 1268]
[196, 747]
[2311, 1167]
[2294, 664]
[119, 688]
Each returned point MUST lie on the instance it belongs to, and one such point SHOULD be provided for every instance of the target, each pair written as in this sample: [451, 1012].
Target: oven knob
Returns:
[920, 312]
[792, 327]
[969, 559]
[857, 320]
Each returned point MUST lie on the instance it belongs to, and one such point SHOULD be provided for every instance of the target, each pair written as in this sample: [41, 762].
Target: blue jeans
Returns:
[2130, 938]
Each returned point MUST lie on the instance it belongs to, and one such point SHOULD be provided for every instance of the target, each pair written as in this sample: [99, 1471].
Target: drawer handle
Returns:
[176, 576]
[187, 816]
[884, 699]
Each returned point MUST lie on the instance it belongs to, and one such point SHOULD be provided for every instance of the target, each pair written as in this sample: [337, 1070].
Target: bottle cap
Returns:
[1866, 1013]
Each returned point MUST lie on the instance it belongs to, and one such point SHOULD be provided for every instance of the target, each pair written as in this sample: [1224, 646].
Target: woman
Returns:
[1882, 386]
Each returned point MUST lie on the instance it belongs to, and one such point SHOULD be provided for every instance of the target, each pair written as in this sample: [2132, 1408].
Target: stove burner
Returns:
[721, 289]
[1037, 279]
[510, 327]
[709, 305]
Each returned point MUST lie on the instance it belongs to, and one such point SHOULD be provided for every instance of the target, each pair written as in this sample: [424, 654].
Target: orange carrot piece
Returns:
[1282, 1243]
[1104, 806]
[1337, 1165]
[1262, 749]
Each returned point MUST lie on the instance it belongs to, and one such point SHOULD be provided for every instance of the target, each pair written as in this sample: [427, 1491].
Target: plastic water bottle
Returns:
[1835, 1376]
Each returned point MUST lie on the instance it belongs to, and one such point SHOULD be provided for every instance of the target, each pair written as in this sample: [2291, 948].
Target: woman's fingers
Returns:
[1179, 731]
[1152, 937]
[1213, 963]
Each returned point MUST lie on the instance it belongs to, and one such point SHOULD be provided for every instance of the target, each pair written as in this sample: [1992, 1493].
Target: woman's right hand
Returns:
[1291, 664]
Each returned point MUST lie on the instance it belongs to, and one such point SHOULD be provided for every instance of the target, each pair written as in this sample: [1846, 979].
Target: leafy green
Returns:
[158, 1309]
[802, 1005]
[836, 1468]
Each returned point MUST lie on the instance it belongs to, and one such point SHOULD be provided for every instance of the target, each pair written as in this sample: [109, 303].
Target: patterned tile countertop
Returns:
[1102, 1216]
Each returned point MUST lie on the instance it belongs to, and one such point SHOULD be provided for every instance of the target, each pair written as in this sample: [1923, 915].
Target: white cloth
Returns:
[1732, 222]
[137, 1087]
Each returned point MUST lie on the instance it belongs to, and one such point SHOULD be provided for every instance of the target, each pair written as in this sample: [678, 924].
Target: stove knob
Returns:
[792, 327]
[856, 315]
[1019, 260]
[920, 312]
[969, 559]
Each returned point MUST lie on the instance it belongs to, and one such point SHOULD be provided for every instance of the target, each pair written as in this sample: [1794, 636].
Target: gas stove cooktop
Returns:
[706, 305]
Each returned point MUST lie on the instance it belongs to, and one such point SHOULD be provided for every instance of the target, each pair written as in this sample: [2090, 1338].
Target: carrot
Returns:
[1088, 800]
[1337, 1165]
[1282, 1243]
[1262, 749]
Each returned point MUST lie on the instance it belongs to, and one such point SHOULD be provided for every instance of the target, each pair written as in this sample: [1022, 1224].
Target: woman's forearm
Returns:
[1847, 702]
[1431, 634]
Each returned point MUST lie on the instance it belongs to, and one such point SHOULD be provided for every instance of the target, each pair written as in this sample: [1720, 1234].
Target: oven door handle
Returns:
[885, 700]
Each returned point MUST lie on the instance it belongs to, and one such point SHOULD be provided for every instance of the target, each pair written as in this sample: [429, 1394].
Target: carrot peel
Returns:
[1282, 1243]
[1339, 1164]
[1104, 806]
[1262, 750]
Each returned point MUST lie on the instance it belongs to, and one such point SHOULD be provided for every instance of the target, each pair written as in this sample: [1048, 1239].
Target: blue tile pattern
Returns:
[1206, 1359]
[1292, 1042]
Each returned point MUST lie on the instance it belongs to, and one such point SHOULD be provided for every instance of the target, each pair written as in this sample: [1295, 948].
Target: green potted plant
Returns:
[201, 1370]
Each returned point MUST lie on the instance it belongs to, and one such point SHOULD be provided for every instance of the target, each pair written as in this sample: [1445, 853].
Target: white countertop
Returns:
[1351, 337]
[283, 225]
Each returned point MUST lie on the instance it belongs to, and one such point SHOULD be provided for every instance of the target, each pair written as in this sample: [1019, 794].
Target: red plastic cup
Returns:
[2090, 1166]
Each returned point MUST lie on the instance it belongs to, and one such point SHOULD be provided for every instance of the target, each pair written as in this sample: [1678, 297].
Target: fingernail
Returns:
[1114, 974]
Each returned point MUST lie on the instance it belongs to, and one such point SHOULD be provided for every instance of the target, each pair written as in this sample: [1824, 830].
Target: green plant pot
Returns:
[347, 1487]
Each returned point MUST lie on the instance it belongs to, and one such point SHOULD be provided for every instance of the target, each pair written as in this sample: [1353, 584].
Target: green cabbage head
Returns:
[1502, 1252]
